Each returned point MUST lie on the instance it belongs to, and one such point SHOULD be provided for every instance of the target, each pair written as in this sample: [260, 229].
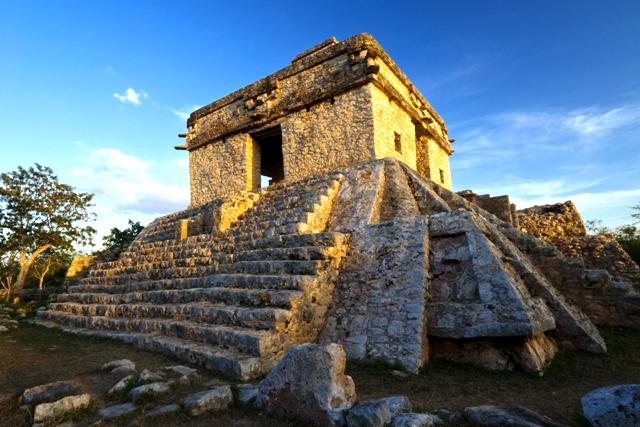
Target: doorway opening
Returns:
[271, 159]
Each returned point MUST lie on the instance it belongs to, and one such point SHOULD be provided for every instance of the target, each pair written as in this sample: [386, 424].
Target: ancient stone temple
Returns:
[357, 240]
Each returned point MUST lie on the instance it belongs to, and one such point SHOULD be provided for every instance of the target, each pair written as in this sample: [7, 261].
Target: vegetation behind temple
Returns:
[627, 235]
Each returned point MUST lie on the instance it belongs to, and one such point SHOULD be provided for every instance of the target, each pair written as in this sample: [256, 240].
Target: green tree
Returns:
[118, 240]
[38, 213]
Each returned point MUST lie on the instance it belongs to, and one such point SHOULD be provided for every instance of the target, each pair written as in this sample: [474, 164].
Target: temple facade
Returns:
[336, 104]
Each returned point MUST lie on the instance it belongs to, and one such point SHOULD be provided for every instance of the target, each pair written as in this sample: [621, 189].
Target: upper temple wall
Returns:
[336, 104]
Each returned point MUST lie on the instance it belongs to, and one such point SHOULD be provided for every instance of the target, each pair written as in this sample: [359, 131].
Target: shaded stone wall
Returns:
[379, 310]
[500, 206]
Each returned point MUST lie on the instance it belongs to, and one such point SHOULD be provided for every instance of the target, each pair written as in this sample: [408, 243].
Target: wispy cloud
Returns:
[131, 96]
[531, 133]
[185, 112]
[127, 186]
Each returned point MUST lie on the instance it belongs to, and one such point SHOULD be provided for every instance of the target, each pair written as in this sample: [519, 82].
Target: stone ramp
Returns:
[233, 302]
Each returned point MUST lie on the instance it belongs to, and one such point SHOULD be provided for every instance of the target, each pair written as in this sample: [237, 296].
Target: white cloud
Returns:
[523, 134]
[131, 96]
[129, 187]
[185, 112]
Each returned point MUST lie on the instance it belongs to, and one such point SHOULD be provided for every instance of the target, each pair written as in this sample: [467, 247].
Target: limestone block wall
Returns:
[328, 135]
[220, 169]
[381, 289]
[391, 126]
[439, 161]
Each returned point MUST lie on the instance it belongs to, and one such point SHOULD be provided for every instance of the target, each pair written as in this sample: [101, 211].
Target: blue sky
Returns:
[542, 97]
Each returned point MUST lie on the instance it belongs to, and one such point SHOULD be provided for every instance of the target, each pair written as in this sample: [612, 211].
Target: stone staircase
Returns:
[233, 302]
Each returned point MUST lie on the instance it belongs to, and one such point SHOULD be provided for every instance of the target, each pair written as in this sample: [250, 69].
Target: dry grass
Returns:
[33, 355]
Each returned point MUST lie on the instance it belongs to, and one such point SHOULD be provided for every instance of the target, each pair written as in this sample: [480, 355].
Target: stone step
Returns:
[240, 281]
[243, 340]
[295, 267]
[275, 267]
[291, 187]
[229, 296]
[200, 312]
[191, 260]
[231, 364]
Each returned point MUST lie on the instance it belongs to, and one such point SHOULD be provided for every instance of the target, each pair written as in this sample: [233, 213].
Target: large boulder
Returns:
[309, 383]
[613, 406]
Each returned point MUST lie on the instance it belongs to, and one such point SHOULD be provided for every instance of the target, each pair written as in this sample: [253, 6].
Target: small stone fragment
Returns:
[369, 414]
[216, 399]
[246, 393]
[123, 385]
[181, 370]
[147, 376]
[613, 406]
[162, 410]
[122, 366]
[49, 412]
[3, 328]
[399, 374]
[516, 416]
[398, 404]
[48, 392]
[149, 391]
[117, 411]
[415, 420]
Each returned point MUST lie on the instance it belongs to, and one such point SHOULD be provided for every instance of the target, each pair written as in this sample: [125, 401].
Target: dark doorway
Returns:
[271, 160]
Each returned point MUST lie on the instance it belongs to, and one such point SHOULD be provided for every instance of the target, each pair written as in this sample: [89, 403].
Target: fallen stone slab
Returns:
[309, 383]
[123, 385]
[49, 412]
[48, 392]
[515, 416]
[246, 393]
[216, 399]
[122, 366]
[117, 411]
[147, 376]
[613, 406]
[162, 410]
[149, 391]
[415, 420]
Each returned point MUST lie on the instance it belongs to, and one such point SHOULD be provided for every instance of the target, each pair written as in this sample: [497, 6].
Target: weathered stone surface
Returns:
[122, 366]
[246, 393]
[162, 410]
[149, 391]
[379, 309]
[123, 385]
[181, 370]
[415, 420]
[309, 383]
[117, 411]
[369, 414]
[147, 376]
[216, 399]
[613, 406]
[515, 416]
[377, 413]
[48, 392]
[50, 412]
[3, 328]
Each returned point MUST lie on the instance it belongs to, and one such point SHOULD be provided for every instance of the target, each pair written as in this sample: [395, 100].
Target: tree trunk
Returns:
[43, 274]
[25, 265]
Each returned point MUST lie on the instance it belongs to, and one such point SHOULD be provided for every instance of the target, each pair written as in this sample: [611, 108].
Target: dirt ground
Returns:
[33, 355]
